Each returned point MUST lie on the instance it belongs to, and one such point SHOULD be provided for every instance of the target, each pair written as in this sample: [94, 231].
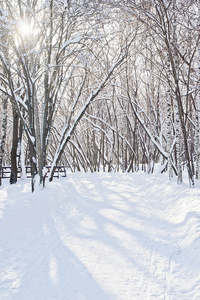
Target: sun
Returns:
[23, 32]
[23, 28]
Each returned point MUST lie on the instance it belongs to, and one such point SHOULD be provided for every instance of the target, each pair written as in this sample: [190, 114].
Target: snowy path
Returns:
[99, 237]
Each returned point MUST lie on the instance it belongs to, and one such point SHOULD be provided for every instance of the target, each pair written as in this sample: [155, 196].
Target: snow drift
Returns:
[100, 236]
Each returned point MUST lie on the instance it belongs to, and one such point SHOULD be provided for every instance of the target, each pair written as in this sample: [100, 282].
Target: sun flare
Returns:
[23, 28]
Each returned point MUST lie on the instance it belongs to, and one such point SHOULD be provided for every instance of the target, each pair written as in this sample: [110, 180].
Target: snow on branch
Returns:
[68, 131]
[76, 40]
[160, 149]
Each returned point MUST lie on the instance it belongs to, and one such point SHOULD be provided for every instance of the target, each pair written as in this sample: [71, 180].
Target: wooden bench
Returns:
[60, 170]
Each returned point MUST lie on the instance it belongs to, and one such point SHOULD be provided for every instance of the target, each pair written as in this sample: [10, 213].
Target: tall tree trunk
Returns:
[13, 175]
[169, 121]
[3, 133]
[197, 131]
[177, 104]
[47, 105]
[37, 134]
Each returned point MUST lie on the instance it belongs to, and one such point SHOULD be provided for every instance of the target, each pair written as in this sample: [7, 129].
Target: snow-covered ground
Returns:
[100, 236]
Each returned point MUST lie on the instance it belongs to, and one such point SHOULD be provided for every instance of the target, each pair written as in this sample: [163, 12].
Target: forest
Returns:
[100, 85]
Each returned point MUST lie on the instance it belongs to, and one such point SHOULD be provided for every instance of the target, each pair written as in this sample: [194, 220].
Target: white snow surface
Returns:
[100, 236]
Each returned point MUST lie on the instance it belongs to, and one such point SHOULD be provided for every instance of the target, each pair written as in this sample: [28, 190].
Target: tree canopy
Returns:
[100, 85]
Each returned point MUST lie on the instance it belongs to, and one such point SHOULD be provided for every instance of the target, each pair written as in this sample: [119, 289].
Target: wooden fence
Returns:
[60, 171]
